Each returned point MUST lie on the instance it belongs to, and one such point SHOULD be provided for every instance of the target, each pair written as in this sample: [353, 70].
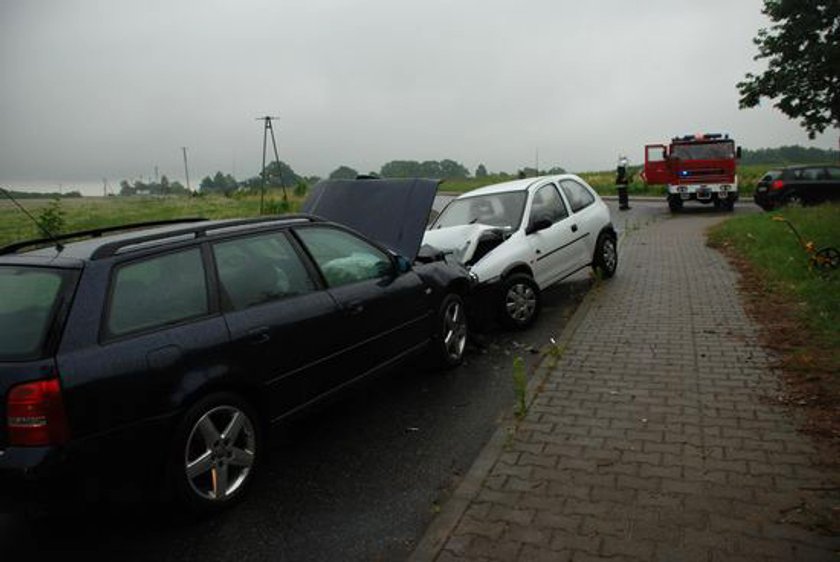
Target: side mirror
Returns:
[403, 265]
[536, 226]
[738, 153]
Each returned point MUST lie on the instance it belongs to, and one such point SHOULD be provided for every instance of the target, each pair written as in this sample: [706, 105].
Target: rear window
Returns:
[29, 298]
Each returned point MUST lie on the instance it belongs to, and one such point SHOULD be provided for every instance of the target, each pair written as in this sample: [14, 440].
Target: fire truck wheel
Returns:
[675, 204]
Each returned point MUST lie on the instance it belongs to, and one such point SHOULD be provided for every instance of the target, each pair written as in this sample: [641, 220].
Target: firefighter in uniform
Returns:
[621, 181]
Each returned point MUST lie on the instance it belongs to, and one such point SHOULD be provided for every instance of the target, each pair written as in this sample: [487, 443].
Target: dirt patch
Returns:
[811, 377]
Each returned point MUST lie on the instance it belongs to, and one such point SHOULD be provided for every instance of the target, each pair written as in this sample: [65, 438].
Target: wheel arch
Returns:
[517, 267]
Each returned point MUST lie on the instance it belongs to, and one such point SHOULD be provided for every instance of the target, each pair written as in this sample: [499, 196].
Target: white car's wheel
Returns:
[605, 260]
[520, 301]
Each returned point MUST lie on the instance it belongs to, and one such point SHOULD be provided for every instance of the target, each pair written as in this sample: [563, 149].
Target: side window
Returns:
[579, 197]
[833, 173]
[154, 292]
[547, 204]
[342, 257]
[811, 173]
[259, 269]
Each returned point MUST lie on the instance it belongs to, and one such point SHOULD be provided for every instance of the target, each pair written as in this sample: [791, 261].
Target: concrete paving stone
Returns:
[599, 526]
[562, 540]
[528, 535]
[492, 549]
[647, 471]
[447, 556]
[496, 481]
[642, 549]
[549, 502]
[480, 527]
[637, 456]
[561, 448]
[556, 520]
[510, 515]
[457, 546]
[486, 495]
[522, 447]
[523, 472]
[532, 553]
[676, 553]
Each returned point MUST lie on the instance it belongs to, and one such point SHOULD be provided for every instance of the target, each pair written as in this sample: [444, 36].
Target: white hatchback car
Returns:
[522, 236]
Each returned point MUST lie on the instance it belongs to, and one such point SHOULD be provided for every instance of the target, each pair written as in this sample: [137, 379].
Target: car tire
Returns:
[793, 199]
[214, 453]
[520, 301]
[605, 260]
[451, 336]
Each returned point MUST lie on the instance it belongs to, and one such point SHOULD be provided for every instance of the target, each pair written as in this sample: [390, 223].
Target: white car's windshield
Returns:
[498, 209]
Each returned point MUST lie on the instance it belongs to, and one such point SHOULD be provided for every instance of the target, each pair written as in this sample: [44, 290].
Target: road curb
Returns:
[441, 527]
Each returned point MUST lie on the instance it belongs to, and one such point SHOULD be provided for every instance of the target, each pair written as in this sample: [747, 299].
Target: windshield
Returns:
[704, 151]
[498, 209]
[28, 299]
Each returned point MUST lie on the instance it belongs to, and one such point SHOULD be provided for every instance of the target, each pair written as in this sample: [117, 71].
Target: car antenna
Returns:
[58, 245]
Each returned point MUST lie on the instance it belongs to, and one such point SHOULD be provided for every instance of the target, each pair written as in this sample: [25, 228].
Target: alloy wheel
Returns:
[219, 453]
[454, 330]
[520, 302]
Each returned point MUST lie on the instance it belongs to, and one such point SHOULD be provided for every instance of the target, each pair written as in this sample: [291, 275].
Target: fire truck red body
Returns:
[698, 168]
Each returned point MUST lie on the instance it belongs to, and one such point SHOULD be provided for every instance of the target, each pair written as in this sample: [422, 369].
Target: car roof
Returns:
[515, 185]
[112, 240]
[803, 166]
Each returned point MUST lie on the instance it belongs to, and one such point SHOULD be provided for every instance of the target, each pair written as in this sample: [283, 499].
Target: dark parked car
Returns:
[168, 349]
[798, 185]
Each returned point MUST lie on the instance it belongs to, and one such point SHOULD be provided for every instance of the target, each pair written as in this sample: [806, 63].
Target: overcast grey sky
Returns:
[110, 89]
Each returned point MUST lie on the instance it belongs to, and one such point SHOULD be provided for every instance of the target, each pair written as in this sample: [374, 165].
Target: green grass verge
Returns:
[93, 212]
[782, 264]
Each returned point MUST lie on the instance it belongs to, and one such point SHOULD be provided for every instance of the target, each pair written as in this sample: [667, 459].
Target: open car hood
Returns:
[394, 212]
[461, 240]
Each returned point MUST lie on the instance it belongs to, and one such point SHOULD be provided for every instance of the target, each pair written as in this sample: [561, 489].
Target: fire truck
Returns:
[695, 168]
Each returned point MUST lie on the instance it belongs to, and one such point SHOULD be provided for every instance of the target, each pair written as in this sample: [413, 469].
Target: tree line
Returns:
[789, 155]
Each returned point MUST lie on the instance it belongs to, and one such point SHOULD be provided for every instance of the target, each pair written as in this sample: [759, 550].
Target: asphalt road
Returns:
[359, 479]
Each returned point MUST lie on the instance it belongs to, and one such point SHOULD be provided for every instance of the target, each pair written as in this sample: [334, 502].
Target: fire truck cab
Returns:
[698, 168]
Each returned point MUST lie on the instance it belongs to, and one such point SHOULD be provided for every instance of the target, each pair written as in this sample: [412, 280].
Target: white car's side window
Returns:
[547, 205]
[578, 196]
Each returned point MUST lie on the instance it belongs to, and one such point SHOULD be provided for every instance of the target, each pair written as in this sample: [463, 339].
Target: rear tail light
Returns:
[35, 414]
[777, 185]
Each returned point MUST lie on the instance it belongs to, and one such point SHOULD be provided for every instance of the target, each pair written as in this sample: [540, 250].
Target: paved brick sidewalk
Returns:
[655, 437]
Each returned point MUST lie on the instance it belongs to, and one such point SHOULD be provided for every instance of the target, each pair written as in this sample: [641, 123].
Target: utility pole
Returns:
[538, 161]
[268, 128]
[186, 168]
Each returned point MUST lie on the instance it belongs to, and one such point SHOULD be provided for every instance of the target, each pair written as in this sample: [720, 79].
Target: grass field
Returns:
[783, 269]
[92, 212]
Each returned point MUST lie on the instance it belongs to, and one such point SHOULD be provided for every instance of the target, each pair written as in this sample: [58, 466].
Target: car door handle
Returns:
[258, 336]
[574, 228]
[354, 308]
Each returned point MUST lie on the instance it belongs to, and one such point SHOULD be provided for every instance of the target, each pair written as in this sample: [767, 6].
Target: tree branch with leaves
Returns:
[802, 49]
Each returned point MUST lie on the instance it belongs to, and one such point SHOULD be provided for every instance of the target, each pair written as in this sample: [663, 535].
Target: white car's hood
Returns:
[461, 240]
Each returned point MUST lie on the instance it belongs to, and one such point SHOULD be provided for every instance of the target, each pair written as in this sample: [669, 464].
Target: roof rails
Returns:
[198, 231]
[110, 248]
[92, 233]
